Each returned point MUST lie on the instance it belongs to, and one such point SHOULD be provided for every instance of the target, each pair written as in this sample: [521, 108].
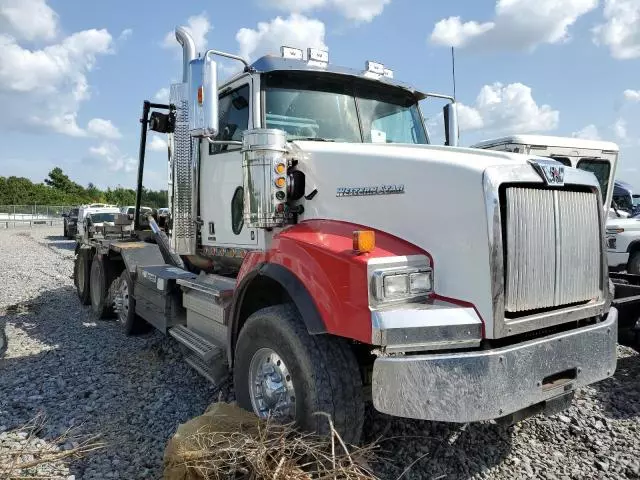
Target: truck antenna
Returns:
[453, 71]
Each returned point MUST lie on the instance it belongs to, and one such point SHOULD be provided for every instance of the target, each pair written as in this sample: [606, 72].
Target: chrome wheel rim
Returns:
[123, 302]
[271, 386]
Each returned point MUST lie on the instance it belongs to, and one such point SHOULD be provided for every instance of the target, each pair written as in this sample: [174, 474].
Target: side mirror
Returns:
[450, 124]
[203, 97]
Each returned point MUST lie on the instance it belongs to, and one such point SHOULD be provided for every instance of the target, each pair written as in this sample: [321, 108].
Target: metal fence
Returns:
[31, 215]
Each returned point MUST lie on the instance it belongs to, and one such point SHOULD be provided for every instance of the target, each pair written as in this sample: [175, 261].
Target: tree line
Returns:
[59, 189]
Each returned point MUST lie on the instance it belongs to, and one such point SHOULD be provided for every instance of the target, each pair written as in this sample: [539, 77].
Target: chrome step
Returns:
[219, 287]
[199, 345]
[216, 372]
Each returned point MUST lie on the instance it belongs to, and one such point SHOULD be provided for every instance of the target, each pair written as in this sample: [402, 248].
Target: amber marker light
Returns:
[364, 241]
[280, 182]
[200, 95]
[280, 168]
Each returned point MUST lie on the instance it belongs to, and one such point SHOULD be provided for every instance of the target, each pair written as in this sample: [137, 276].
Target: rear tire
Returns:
[81, 275]
[311, 373]
[101, 278]
[132, 323]
[633, 266]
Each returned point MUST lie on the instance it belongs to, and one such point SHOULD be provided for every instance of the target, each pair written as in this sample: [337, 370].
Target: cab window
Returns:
[600, 168]
[233, 118]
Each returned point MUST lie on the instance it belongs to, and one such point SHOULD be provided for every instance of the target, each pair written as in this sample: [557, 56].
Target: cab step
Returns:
[197, 344]
[216, 372]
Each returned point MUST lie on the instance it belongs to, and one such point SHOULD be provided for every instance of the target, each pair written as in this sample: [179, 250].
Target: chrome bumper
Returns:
[488, 384]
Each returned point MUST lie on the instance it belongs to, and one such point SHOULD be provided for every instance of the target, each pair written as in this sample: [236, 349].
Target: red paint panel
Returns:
[320, 254]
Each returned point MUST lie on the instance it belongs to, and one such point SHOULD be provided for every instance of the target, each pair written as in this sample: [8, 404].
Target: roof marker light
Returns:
[290, 52]
[388, 73]
[374, 67]
[317, 55]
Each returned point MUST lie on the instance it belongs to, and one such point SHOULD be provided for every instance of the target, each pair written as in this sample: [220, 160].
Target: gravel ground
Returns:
[135, 391]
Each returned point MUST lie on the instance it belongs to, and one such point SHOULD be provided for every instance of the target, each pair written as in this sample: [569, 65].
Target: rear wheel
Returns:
[284, 372]
[81, 275]
[131, 322]
[101, 279]
[3, 339]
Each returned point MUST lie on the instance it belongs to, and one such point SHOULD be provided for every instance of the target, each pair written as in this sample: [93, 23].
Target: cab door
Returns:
[220, 181]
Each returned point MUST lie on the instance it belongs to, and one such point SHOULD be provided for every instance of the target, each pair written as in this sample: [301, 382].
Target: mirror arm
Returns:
[247, 67]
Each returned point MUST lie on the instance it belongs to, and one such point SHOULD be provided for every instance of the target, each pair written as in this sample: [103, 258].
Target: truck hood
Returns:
[441, 208]
[626, 223]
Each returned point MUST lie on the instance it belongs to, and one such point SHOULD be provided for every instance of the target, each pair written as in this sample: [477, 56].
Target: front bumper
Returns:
[488, 384]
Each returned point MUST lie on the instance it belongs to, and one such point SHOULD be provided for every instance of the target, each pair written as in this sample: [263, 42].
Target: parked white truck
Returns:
[309, 254]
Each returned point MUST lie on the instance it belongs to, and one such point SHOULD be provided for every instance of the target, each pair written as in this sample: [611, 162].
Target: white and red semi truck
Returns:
[308, 252]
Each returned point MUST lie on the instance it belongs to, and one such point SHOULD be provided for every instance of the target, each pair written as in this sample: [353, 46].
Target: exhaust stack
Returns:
[185, 39]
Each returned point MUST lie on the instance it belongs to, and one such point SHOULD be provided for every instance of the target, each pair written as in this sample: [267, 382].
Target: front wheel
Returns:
[284, 372]
[633, 266]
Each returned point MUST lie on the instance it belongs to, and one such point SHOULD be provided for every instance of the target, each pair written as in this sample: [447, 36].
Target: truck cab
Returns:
[308, 252]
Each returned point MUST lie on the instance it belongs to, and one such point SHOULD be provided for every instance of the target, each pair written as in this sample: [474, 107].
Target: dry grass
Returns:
[32, 459]
[252, 449]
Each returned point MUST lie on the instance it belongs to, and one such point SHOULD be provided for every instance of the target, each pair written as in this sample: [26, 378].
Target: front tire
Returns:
[281, 370]
[633, 266]
[81, 275]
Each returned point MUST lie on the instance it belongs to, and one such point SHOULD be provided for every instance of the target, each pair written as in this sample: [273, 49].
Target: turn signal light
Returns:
[280, 182]
[280, 168]
[364, 241]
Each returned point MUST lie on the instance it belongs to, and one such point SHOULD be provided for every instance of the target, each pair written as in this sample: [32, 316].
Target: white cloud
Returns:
[453, 33]
[43, 89]
[517, 25]
[469, 118]
[620, 31]
[295, 31]
[125, 34]
[198, 26]
[632, 95]
[162, 95]
[28, 19]
[358, 10]
[507, 108]
[620, 129]
[99, 127]
[157, 144]
[590, 132]
[113, 158]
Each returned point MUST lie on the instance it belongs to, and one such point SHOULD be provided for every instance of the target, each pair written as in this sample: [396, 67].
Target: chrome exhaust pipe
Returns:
[185, 39]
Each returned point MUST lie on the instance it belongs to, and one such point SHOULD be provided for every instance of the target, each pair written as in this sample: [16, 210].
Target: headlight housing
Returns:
[401, 279]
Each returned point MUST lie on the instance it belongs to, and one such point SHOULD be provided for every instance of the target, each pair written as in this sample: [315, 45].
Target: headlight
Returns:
[401, 284]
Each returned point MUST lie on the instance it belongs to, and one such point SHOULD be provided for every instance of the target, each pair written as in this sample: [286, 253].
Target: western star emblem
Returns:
[551, 172]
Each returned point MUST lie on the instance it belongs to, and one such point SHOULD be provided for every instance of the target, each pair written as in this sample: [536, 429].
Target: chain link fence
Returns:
[31, 215]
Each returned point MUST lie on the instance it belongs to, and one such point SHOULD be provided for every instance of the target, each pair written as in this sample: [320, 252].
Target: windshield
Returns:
[321, 107]
[102, 217]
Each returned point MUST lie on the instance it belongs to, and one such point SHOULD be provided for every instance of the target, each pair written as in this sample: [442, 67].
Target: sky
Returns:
[74, 74]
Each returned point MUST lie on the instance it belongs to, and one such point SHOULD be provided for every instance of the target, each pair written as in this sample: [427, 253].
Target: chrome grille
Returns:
[552, 248]
[183, 235]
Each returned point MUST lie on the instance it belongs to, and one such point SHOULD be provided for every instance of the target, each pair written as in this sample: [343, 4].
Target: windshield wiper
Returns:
[314, 139]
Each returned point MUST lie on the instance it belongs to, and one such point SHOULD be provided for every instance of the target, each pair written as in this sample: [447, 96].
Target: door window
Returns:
[600, 168]
[233, 118]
